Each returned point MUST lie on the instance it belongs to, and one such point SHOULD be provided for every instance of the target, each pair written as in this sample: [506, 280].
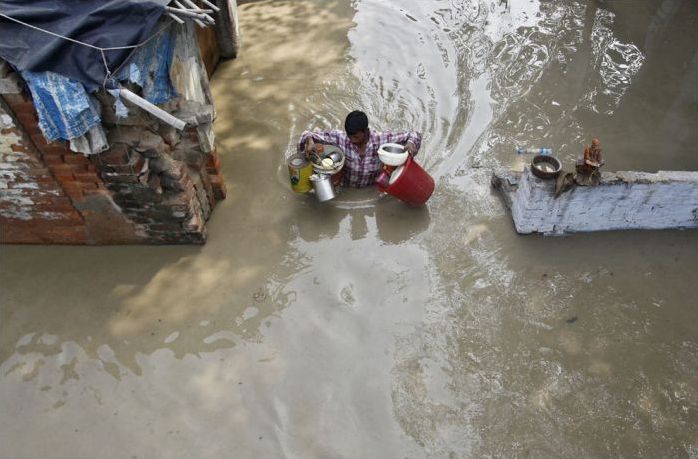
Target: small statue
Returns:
[592, 154]
[588, 167]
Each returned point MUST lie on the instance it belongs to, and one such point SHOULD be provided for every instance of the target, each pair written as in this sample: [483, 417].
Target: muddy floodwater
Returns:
[361, 328]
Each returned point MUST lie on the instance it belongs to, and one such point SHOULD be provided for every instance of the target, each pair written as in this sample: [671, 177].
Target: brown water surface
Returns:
[361, 328]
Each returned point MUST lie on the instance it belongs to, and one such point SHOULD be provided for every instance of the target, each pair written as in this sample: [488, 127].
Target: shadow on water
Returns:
[162, 298]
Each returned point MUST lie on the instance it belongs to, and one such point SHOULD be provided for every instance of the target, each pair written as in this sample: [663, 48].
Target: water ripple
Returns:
[616, 63]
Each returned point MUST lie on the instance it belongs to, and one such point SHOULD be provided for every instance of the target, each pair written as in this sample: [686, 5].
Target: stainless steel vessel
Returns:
[322, 184]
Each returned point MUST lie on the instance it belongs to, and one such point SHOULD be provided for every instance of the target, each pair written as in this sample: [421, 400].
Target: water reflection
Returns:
[366, 211]
[616, 63]
[398, 223]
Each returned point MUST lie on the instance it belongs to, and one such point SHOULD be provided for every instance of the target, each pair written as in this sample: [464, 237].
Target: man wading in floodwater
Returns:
[360, 146]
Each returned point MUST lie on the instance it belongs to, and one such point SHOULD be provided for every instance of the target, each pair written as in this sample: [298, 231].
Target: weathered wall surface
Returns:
[209, 48]
[623, 200]
[34, 207]
[154, 185]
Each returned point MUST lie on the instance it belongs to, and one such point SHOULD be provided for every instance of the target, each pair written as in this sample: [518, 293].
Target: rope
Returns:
[101, 50]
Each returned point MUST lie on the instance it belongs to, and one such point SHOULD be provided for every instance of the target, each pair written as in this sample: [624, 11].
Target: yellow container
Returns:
[300, 170]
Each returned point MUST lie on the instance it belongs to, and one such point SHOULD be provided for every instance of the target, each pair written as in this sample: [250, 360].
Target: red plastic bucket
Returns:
[414, 186]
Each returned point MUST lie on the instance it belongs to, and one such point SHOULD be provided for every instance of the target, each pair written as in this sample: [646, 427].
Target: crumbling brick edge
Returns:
[154, 185]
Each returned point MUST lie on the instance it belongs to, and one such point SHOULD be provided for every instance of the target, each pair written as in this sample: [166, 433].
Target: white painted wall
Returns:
[623, 200]
[14, 176]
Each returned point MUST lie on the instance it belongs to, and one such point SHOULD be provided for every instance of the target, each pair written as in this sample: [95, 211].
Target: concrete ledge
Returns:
[622, 201]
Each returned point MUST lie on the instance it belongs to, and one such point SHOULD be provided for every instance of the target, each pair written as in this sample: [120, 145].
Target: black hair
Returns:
[356, 121]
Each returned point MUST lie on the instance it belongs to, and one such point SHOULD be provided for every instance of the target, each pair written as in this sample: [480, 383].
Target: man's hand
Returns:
[310, 147]
[411, 148]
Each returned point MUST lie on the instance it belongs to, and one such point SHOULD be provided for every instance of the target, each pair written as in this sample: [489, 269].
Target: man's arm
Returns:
[308, 139]
[412, 140]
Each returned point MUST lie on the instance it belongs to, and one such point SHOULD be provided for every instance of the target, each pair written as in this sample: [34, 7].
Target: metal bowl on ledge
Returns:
[546, 167]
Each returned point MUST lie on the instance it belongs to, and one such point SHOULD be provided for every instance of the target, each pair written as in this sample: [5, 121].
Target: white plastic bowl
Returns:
[392, 154]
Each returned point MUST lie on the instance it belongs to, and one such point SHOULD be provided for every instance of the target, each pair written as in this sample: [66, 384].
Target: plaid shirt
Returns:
[360, 170]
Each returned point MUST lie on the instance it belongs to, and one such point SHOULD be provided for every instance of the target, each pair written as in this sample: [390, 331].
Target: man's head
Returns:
[356, 126]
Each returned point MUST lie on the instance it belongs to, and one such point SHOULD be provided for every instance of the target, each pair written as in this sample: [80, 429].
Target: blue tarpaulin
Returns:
[99, 23]
[149, 68]
[64, 107]
[61, 74]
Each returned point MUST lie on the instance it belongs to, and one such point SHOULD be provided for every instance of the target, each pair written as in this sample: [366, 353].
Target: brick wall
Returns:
[155, 185]
[34, 207]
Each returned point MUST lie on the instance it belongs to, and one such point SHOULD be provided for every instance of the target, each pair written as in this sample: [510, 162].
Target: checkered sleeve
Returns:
[334, 137]
[402, 137]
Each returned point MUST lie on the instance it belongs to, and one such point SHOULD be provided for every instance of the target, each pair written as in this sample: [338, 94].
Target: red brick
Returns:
[32, 129]
[77, 236]
[137, 163]
[39, 170]
[53, 160]
[89, 177]
[19, 148]
[45, 188]
[212, 160]
[58, 204]
[77, 187]
[219, 190]
[65, 235]
[64, 177]
[53, 150]
[75, 158]
[44, 231]
[14, 235]
[47, 180]
[61, 168]
[26, 118]
[71, 186]
[117, 155]
[14, 100]
[44, 178]
[70, 218]
[39, 140]
[23, 107]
